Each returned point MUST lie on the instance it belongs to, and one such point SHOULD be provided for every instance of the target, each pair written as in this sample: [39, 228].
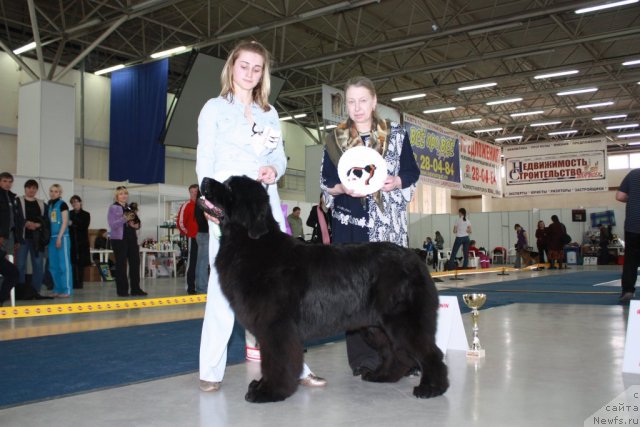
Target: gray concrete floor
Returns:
[546, 365]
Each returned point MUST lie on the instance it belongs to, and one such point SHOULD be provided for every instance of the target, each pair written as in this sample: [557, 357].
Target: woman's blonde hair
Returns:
[58, 186]
[362, 81]
[119, 190]
[263, 88]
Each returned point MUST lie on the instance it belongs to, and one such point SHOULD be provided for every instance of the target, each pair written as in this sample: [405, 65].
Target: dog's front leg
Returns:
[281, 354]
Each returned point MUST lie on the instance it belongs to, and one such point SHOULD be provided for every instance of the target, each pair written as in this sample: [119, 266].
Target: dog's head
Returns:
[239, 201]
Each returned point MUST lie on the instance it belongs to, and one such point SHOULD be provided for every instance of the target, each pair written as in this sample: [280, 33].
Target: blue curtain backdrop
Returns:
[138, 110]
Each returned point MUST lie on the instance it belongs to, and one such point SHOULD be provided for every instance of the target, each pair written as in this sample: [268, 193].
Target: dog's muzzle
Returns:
[210, 208]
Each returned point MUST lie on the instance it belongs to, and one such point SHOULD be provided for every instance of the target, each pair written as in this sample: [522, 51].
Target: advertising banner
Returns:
[436, 150]
[480, 162]
[556, 167]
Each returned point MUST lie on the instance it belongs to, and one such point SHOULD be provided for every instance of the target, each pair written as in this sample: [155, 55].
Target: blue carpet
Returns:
[568, 288]
[49, 367]
[41, 368]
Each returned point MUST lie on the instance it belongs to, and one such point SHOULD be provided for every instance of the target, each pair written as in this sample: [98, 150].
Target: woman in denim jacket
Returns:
[238, 134]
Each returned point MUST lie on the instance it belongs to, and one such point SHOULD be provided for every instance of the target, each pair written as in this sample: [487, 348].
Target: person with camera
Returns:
[124, 224]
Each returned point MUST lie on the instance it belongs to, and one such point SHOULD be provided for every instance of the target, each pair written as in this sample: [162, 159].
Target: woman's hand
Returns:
[58, 243]
[267, 174]
[391, 183]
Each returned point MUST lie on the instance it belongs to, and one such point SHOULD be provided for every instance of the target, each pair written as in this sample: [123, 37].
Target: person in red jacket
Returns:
[187, 225]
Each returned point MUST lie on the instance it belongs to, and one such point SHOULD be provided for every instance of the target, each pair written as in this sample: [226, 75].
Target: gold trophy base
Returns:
[475, 354]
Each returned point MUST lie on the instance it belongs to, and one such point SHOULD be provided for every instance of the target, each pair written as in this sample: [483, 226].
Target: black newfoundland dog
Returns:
[285, 291]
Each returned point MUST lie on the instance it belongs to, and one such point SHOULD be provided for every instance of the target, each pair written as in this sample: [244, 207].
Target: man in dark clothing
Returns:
[603, 252]
[9, 277]
[10, 218]
[629, 193]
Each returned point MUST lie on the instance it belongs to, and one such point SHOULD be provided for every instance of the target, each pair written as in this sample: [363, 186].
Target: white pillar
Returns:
[46, 132]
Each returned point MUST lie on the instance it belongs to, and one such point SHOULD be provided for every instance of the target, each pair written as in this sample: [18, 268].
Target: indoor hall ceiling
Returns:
[407, 47]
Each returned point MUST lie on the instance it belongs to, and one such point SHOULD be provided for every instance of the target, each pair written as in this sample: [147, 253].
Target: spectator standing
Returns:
[462, 230]
[59, 250]
[10, 220]
[32, 242]
[295, 223]
[318, 220]
[79, 221]
[188, 227]
[541, 241]
[9, 273]
[555, 240]
[603, 243]
[629, 193]
[202, 261]
[522, 245]
[124, 223]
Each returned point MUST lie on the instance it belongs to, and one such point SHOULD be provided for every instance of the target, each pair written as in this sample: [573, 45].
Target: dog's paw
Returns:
[254, 384]
[258, 393]
[426, 391]
[375, 376]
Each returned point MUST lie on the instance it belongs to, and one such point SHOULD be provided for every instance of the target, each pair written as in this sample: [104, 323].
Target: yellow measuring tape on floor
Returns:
[96, 306]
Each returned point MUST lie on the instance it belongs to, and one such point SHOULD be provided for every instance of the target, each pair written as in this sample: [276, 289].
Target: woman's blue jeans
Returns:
[464, 242]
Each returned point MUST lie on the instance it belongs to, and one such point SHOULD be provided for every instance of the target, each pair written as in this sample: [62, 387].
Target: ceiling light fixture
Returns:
[556, 74]
[628, 135]
[504, 101]
[169, 52]
[545, 124]
[459, 122]
[296, 116]
[613, 116]
[577, 91]
[596, 104]
[487, 130]
[623, 126]
[109, 69]
[478, 86]
[527, 113]
[327, 127]
[439, 110]
[562, 132]
[508, 138]
[634, 143]
[407, 97]
[632, 62]
[26, 48]
[605, 6]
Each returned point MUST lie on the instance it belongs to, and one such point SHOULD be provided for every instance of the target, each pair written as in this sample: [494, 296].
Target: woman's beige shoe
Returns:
[209, 385]
[312, 380]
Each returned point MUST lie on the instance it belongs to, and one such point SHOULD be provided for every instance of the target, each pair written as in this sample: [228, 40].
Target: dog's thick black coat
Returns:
[285, 291]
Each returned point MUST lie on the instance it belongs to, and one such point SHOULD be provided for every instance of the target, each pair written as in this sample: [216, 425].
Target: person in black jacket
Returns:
[9, 273]
[79, 221]
[33, 237]
[312, 221]
[10, 217]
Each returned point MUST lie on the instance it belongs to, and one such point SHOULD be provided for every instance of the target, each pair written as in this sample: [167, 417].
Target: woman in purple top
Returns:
[124, 242]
